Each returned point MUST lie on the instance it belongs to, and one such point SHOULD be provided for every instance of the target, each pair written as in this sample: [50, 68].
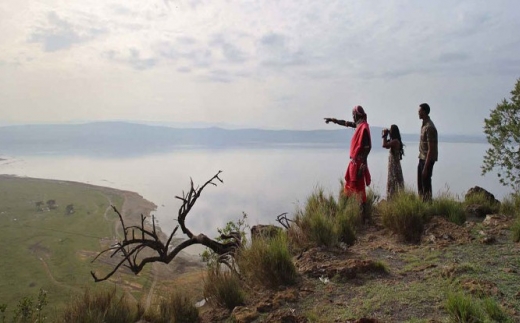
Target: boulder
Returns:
[481, 209]
[481, 191]
[264, 231]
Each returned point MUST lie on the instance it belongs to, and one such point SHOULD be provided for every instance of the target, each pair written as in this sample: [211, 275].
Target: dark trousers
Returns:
[424, 184]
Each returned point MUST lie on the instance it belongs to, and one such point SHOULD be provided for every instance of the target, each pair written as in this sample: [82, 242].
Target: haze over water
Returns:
[260, 182]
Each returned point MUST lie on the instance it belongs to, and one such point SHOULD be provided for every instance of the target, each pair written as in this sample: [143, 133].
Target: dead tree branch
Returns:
[139, 238]
[284, 220]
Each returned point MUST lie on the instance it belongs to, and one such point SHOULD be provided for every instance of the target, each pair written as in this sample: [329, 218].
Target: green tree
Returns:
[502, 130]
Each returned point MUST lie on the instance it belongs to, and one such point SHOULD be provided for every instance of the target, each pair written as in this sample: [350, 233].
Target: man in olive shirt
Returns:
[428, 153]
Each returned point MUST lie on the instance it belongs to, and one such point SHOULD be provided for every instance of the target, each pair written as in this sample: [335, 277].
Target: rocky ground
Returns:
[381, 279]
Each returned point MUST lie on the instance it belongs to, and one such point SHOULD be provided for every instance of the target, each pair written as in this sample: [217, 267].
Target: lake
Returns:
[262, 182]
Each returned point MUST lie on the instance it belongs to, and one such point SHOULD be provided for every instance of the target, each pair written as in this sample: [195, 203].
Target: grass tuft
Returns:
[511, 205]
[222, 288]
[494, 311]
[101, 306]
[463, 309]
[268, 262]
[405, 214]
[325, 221]
[178, 307]
[448, 207]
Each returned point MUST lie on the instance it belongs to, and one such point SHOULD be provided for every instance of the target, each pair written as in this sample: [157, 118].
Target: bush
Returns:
[178, 307]
[448, 207]
[104, 306]
[222, 288]
[463, 309]
[268, 262]
[27, 310]
[405, 214]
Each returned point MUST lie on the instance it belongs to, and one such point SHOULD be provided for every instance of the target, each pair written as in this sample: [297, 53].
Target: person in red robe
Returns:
[357, 176]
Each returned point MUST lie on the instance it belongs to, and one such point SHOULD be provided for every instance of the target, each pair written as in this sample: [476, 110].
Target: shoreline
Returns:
[131, 209]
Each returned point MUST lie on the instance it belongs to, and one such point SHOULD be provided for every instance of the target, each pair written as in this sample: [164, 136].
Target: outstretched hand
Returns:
[327, 120]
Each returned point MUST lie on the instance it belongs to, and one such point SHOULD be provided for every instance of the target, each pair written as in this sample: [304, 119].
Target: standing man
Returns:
[428, 153]
[357, 175]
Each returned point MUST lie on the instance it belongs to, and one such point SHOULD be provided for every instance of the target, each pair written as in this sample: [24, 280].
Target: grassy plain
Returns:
[51, 249]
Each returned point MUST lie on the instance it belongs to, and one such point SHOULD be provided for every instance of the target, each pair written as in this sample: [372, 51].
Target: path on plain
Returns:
[117, 227]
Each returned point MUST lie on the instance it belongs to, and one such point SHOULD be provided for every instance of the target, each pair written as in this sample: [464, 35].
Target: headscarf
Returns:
[360, 112]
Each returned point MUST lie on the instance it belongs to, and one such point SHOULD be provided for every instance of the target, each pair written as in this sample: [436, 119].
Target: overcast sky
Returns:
[266, 64]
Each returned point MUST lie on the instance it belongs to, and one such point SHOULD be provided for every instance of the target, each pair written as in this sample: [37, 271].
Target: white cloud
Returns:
[257, 63]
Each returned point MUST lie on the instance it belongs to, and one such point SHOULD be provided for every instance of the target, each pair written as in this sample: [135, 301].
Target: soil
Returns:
[382, 279]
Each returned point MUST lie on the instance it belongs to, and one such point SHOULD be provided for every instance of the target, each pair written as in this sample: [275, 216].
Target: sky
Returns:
[283, 64]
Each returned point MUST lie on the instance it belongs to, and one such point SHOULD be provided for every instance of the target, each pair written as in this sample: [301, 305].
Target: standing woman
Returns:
[395, 180]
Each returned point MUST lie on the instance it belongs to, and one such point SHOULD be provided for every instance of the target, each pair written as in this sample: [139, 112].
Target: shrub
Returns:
[405, 214]
[463, 309]
[178, 307]
[222, 288]
[27, 310]
[102, 306]
[268, 262]
[448, 207]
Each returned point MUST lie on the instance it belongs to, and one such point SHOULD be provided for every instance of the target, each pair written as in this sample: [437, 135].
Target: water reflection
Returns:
[261, 182]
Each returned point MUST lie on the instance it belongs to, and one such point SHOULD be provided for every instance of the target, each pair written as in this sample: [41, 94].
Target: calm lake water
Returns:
[260, 182]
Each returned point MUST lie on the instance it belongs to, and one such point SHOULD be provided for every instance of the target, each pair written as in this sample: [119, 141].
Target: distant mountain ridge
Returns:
[122, 138]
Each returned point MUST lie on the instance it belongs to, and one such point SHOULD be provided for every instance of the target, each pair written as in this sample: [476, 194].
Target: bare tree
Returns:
[139, 238]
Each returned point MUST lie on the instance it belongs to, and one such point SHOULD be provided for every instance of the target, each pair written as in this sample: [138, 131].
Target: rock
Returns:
[243, 314]
[264, 231]
[477, 190]
[264, 307]
[488, 240]
[481, 210]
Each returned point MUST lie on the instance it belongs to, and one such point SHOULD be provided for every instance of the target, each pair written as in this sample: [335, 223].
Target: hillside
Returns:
[128, 139]
[381, 279]
[52, 249]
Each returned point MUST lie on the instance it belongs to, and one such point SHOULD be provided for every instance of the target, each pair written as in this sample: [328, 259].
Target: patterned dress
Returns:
[395, 180]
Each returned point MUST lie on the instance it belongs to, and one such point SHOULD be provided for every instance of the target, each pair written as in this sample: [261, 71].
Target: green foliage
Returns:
[405, 214]
[511, 205]
[502, 130]
[447, 206]
[494, 311]
[325, 222]
[463, 309]
[177, 308]
[515, 228]
[222, 288]
[241, 225]
[268, 262]
[102, 306]
[26, 311]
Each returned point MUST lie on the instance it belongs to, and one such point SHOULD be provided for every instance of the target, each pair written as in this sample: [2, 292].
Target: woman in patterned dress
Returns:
[395, 180]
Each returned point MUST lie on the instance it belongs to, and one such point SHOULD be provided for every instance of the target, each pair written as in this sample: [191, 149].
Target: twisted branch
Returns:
[132, 245]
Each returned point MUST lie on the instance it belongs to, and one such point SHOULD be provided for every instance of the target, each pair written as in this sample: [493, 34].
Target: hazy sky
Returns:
[269, 64]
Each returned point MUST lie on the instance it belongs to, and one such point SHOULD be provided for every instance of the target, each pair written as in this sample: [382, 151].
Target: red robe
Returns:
[356, 178]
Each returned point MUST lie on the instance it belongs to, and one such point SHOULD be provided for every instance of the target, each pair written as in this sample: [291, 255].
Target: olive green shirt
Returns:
[428, 135]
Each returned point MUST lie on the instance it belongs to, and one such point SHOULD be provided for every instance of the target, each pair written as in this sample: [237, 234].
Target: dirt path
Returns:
[49, 273]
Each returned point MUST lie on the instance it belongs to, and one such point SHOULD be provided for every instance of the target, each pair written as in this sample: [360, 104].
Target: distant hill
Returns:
[127, 139]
